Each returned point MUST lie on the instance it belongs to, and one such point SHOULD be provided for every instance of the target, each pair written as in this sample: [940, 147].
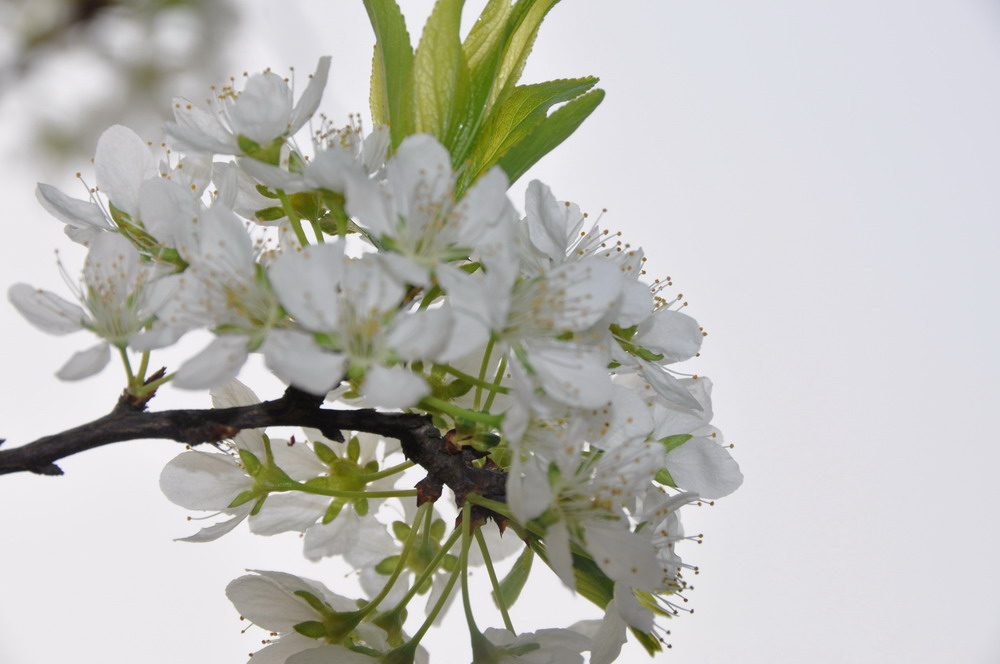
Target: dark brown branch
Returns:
[421, 441]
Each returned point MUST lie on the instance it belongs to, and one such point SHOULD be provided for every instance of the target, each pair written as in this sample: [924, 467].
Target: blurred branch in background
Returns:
[126, 59]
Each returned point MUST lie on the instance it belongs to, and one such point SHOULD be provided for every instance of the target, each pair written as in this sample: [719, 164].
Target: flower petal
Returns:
[202, 481]
[705, 467]
[122, 163]
[86, 363]
[220, 362]
[298, 360]
[393, 387]
[46, 310]
[72, 211]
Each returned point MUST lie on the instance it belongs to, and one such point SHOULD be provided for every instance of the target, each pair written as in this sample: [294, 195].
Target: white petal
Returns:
[666, 385]
[309, 101]
[298, 360]
[270, 604]
[306, 284]
[558, 551]
[609, 637]
[274, 177]
[635, 614]
[674, 335]
[220, 362]
[199, 131]
[286, 512]
[705, 467]
[215, 531]
[72, 211]
[420, 171]
[623, 555]
[86, 363]
[164, 206]
[262, 110]
[635, 305]
[571, 374]
[122, 163]
[582, 292]
[331, 539]
[528, 491]
[393, 387]
[202, 481]
[420, 335]
[328, 654]
[233, 394]
[546, 222]
[333, 169]
[45, 310]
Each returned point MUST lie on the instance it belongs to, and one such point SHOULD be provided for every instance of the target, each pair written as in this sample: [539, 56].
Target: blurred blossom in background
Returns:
[127, 59]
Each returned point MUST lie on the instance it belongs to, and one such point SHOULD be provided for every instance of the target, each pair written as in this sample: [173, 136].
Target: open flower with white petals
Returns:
[242, 122]
[121, 294]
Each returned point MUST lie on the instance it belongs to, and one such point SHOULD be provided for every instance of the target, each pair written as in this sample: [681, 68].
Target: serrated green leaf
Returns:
[487, 34]
[527, 16]
[518, 115]
[391, 67]
[513, 583]
[440, 75]
[552, 131]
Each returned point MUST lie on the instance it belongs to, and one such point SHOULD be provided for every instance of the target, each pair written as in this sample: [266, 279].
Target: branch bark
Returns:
[421, 441]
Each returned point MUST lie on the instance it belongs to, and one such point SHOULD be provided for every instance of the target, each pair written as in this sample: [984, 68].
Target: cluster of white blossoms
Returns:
[367, 272]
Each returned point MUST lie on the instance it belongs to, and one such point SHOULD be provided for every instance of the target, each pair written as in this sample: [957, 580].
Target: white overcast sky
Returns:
[821, 181]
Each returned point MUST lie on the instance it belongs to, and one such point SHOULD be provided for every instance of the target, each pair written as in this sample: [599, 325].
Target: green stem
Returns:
[293, 218]
[318, 231]
[433, 403]
[128, 368]
[472, 380]
[400, 566]
[336, 493]
[143, 365]
[487, 354]
[153, 385]
[430, 569]
[437, 607]
[501, 368]
[371, 477]
[493, 580]
[464, 566]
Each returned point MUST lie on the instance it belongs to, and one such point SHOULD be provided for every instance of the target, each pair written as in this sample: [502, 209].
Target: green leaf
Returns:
[550, 133]
[527, 16]
[520, 113]
[513, 583]
[314, 629]
[440, 77]
[487, 35]
[391, 67]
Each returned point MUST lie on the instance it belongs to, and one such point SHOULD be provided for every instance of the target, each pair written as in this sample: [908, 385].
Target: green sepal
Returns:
[255, 510]
[625, 333]
[425, 586]
[437, 529]
[269, 214]
[649, 642]
[455, 389]
[449, 562]
[485, 441]
[265, 192]
[269, 154]
[512, 584]
[353, 449]
[361, 506]
[311, 628]
[663, 477]
[315, 602]
[332, 512]
[392, 623]
[325, 453]
[400, 530]
[387, 566]
[307, 205]
[552, 131]
[371, 466]
[671, 442]
[250, 462]
[243, 498]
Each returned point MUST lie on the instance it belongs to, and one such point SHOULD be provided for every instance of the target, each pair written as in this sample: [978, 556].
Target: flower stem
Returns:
[433, 403]
[392, 470]
[496, 381]
[430, 569]
[487, 354]
[336, 493]
[472, 380]
[493, 580]
[401, 565]
[463, 565]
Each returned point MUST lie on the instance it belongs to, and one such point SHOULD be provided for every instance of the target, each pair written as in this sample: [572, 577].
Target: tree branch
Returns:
[421, 441]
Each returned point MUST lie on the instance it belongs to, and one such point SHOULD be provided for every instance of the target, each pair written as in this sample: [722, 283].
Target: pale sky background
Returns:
[820, 180]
